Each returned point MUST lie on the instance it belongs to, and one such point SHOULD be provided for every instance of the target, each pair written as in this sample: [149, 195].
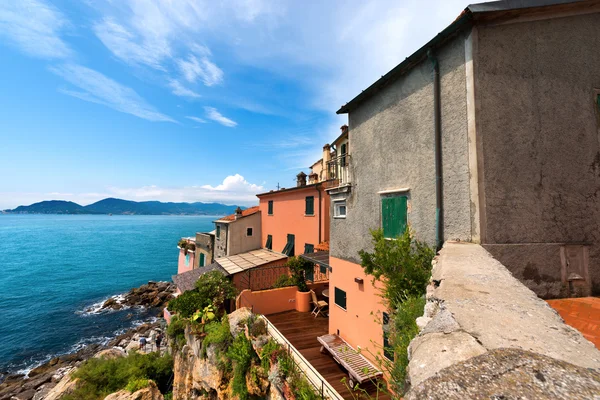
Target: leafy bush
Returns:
[284, 280]
[242, 353]
[217, 333]
[136, 384]
[269, 353]
[215, 288]
[186, 304]
[102, 376]
[299, 267]
[176, 331]
[405, 263]
[258, 328]
[404, 329]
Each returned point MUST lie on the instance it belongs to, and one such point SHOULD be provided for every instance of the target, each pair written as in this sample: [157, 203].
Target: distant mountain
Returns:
[125, 207]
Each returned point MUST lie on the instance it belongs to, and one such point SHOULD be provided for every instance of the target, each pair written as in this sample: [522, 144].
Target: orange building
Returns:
[295, 220]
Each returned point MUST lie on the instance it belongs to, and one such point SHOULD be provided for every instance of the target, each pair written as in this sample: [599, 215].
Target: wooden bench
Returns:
[359, 368]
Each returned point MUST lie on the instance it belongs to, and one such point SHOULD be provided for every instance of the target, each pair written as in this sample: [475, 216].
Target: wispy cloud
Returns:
[213, 114]
[34, 27]
[203, 69]
[179, 90]
[97, 88]
[199, 120]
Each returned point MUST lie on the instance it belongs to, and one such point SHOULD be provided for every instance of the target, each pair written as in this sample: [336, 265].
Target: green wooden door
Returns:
[201, 261]
[393, 216]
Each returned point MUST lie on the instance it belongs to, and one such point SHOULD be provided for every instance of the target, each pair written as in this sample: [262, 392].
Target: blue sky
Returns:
[186, 100]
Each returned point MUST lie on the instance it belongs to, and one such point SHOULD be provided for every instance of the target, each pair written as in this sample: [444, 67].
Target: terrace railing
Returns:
[338, 171]
[263, 278]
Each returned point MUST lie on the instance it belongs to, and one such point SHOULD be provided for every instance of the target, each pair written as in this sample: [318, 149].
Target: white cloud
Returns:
[199, 120]
[179, 90]
[193, 69]
[213, 114]
[97, 88]
[34, 27]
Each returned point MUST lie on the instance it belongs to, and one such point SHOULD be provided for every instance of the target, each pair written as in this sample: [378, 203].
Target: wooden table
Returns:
[325, 292]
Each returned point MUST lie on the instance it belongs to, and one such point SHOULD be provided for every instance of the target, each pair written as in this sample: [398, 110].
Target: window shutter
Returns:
[309, 274]
[270, 207]
[310, 205]
[201, 262]
[309, 248]
[288, 250]
[218, 231]
[269, 244]
[393, 216]
[340, 298]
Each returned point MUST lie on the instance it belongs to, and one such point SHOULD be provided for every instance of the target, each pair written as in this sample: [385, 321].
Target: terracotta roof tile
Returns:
[245, 213]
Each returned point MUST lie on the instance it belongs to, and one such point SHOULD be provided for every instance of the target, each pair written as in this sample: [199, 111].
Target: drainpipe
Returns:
[439, 206]
[319, 190]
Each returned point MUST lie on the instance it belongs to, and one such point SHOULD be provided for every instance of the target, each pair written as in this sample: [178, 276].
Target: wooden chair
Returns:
[320, 305]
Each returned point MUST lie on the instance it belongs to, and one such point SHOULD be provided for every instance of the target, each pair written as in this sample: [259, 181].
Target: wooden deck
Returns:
[302, 329]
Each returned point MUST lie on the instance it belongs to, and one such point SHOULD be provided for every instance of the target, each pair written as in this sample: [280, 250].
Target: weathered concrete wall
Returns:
[537, 120]
[239, 242]
[392, 146]
[205, 243]
[221, 240]
[478, 306]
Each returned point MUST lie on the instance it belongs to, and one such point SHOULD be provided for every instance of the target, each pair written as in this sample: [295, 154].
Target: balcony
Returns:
[338, 172]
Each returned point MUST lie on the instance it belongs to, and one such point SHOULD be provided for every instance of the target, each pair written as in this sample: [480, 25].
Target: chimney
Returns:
[326, 155]
[238, 213]
[301, 179]
[344, 128]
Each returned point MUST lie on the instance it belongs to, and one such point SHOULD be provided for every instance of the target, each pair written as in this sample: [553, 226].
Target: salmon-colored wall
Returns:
[181, 267]
[360, 323]
[288, 217]
[274, 301]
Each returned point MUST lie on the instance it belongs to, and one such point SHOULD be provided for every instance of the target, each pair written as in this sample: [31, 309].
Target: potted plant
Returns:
[298, 268]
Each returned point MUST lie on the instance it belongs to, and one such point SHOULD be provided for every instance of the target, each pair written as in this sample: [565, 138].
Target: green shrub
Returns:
[186, 304]
[101, 376]
[298, 268]
[405, 263]
[176, 331]
[284, 280]
[136, 384]
[215, 288]
[259, 327]
[242, 353]
[169, 396]
[217, 333]
[269, 353]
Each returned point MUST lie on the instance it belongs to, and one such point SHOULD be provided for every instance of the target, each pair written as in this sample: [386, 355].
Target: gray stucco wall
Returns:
[238, 241]
[221, 241]
[538, 125]
[392, 146]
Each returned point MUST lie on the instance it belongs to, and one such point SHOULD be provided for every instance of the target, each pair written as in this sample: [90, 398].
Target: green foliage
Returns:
[215, 288]
[258, 328]
[136, 384]
[176, 331]
[298, 268]
[186, 246]
[217, 333]
[242, 353]
[102, 376]
[269, 353]
[186, 304]
[405, 263]
[284, 280]
[404, 329]
[169, 396]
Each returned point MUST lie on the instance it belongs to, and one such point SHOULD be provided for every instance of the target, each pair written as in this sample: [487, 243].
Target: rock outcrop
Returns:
[148, 393]
[151, 295]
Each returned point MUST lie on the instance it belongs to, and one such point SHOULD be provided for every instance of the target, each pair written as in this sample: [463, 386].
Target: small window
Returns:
[201, 260]
[310, 205]
[269, 244]
[339, 209]
[218, 231]
[323, 269]
[340, 298]
[248, 231]
[270, 207]
[393, 216]
[288, 250]
[309, 248]
[388, 350]
[187, 260]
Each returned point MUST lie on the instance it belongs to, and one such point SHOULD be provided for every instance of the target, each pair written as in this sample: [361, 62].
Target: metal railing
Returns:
[338, 170]
[263, 278]
[316, 380]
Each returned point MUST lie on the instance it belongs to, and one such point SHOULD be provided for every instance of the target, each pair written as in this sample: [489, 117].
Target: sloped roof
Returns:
[252, 259]
[245, 213]
[187, 280]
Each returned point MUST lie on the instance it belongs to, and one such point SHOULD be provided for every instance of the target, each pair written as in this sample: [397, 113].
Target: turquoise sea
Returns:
[54, 267]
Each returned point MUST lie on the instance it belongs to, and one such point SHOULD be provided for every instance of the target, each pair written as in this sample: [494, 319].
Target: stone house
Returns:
[238, 233]
[489, 133]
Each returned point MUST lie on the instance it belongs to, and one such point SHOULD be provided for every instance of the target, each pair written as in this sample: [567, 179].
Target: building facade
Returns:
[238, 233]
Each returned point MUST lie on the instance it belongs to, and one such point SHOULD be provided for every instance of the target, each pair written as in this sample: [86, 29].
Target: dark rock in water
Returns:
[510, 374]
[152, 294]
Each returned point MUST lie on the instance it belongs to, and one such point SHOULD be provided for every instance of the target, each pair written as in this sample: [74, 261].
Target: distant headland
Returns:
[124, 207]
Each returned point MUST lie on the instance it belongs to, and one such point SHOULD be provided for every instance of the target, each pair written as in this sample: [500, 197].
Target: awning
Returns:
[319, 257]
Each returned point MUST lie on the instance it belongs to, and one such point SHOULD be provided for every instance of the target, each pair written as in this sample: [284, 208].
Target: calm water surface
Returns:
[53, 267]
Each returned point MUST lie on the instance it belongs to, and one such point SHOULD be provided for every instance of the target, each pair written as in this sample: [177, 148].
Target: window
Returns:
[344, 151]
[310, 205]
[270, 207]
[388, 350]
[340, 298]
[218, 231]
[201, 260]
[187, 260]
[309, 248]
[248, 231]
[339, 209]
[393, 216]
[288, 250]
[323, 269]
[269, 244]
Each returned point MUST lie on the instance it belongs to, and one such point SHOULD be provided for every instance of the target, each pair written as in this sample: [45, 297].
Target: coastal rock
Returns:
[66, 385]
[510, 374]
[43, 391]
[149, 393]
[24, 395]
[34, 383]
[114, 352]
[237, 321]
